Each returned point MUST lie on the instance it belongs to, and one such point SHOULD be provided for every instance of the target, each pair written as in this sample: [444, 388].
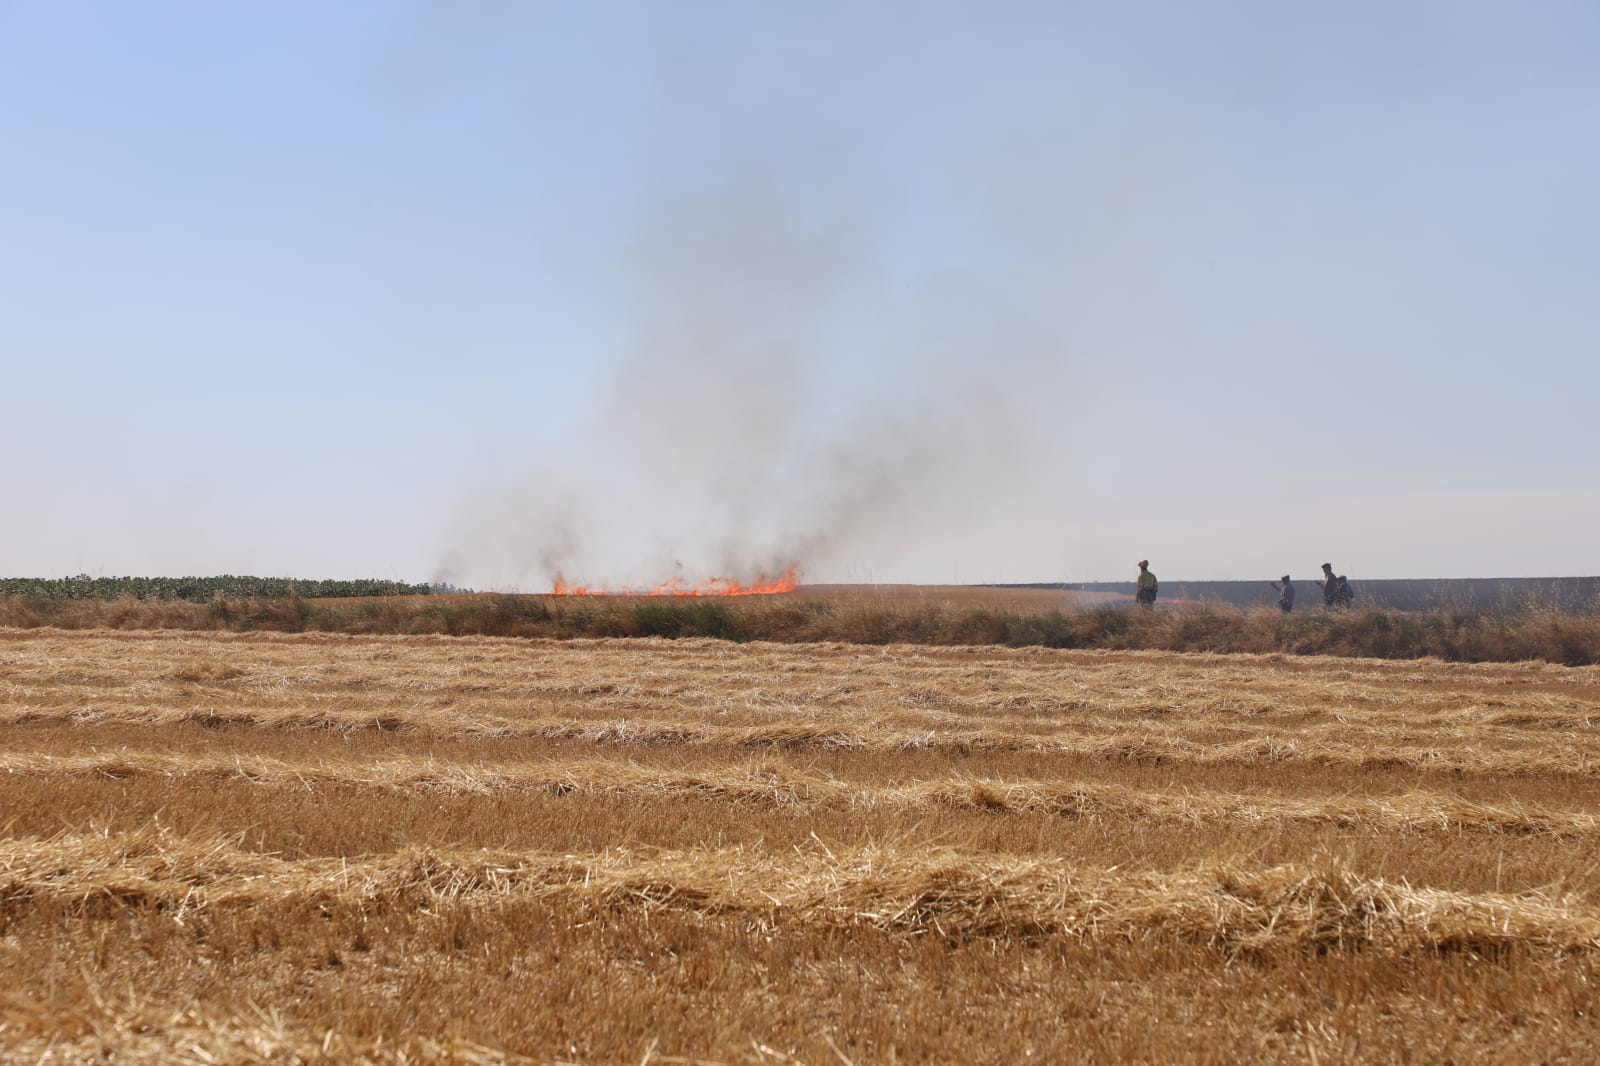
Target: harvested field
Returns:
[321, 847]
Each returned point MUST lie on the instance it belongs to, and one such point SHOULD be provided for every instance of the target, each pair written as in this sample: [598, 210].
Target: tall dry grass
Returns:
[315, 847]
[1014, 618]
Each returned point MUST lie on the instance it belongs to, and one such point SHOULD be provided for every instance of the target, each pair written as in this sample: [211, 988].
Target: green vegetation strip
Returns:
[198, 589]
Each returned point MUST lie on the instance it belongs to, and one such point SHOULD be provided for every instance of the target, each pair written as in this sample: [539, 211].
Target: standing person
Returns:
[1286, 594]
[1330, 586]
[1343, 594]
[1145, 596]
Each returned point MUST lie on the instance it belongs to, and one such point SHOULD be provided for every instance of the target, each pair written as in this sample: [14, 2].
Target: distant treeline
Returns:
[203, 589]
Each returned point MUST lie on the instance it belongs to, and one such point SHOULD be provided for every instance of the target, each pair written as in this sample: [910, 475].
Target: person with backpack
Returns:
[1343, 594]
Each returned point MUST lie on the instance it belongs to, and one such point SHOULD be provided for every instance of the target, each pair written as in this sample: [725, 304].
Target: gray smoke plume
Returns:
[780, 403]
[855, 364]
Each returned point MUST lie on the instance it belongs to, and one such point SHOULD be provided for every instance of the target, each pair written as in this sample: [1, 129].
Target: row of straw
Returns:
[1149, 744]
[769, 784]
[1234, 906]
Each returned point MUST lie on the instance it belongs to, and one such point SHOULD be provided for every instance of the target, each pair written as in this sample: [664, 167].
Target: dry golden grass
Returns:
[933, 615]
[326, 848]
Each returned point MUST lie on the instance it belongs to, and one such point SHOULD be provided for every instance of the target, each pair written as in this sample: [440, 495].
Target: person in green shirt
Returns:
[1146, 595]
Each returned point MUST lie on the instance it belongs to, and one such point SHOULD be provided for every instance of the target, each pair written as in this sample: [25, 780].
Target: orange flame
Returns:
[787, 581]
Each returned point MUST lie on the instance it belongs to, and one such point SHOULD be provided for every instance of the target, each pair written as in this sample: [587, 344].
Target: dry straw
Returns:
[136, 1032]
[916, 891]
[773, 784]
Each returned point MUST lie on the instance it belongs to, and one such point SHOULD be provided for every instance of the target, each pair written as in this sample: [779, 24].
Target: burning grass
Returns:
[765, 585]
[315, 847]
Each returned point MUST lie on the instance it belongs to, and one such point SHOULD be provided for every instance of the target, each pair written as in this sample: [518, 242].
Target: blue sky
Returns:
[897, 292]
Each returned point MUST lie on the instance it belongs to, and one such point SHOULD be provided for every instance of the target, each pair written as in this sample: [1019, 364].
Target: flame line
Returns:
[764, 585]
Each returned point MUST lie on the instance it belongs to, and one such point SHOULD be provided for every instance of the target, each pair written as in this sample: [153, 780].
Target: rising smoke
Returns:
[781, 402]
[827, 359]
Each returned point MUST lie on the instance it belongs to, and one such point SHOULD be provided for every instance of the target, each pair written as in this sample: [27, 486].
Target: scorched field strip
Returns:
[391, 847]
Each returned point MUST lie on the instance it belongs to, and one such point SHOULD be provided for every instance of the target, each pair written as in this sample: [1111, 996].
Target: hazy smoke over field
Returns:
[813, 362]
[780, 400]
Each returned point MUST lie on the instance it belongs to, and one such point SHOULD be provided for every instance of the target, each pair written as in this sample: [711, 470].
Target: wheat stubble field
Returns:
[221, 847]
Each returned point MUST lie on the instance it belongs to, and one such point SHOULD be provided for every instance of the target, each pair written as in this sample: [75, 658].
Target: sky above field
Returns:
[917, 292]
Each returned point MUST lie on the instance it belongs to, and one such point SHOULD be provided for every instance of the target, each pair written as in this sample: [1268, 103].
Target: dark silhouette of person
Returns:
[1343, 594]
[1286, 594]
[1330, 586]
